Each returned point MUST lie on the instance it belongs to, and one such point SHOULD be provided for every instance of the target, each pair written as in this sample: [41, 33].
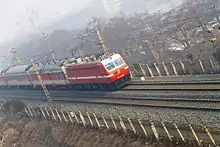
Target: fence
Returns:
[127, 121]
[174, 68]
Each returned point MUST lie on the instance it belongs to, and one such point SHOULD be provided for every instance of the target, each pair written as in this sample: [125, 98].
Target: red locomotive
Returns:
[82, 73]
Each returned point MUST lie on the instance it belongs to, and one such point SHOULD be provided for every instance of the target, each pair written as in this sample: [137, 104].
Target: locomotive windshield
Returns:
[112, 65]
[118, 62]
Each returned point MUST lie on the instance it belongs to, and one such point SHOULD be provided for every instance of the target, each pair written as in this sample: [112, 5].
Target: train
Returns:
[83, 73]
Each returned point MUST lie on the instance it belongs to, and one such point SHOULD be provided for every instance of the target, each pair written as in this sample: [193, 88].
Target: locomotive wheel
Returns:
[112, 86]
[90, 86]
[102, 86]
[94, 86]
[78, 87]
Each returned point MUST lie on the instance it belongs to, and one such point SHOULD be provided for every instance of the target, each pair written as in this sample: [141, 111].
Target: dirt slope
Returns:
[24, 132]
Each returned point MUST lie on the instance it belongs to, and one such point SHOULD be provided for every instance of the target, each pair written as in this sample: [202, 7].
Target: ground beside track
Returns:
[210, 118]
[19, 131]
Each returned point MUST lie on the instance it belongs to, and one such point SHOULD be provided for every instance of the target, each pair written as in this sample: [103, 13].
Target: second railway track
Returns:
[168, 102]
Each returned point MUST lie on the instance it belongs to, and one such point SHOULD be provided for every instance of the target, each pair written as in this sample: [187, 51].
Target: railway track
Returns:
[182, 78]
[174, 103]
[170, 85]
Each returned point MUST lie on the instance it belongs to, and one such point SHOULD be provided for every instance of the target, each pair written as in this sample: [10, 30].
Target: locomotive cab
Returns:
[117, 69]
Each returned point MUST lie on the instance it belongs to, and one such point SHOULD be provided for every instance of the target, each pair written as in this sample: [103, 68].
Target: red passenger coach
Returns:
[110, 73]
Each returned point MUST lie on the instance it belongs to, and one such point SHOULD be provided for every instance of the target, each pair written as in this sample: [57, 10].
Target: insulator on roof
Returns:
[86, 59]
[213, 40]
[210, 30]
[79, 60]
[93, 58]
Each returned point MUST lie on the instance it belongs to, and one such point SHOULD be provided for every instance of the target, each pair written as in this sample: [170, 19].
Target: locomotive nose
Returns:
[118, 72]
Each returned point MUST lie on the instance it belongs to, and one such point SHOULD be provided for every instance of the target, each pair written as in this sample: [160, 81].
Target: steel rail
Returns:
[181, 78]
[172, 86]
[173, 82]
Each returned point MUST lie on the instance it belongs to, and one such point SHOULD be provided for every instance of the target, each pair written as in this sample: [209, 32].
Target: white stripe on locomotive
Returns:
[90, 77]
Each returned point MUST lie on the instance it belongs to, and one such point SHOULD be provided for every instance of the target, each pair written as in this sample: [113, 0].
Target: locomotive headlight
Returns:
[126, 67]
[213, 40]
[210, 30]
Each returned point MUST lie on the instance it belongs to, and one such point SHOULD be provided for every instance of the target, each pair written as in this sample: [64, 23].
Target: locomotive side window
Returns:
[110, 66]
[59, 76]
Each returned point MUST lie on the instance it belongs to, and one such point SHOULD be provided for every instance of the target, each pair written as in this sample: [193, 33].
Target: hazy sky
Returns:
[15, 14]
